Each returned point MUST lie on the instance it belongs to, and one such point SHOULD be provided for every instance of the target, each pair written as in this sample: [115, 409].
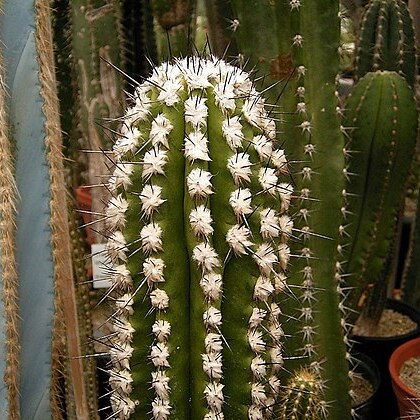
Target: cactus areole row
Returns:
[197, 232]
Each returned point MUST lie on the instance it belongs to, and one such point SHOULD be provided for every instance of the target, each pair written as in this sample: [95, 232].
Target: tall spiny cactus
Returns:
[197, 247]
[383, 114]
[305, 54]
[42, 243]
[387, 40]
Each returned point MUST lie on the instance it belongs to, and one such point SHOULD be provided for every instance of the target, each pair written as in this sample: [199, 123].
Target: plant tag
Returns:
[100, 267]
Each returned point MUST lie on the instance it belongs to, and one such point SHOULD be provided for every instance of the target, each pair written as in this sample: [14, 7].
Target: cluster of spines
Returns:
[303, 397]
[141, 154]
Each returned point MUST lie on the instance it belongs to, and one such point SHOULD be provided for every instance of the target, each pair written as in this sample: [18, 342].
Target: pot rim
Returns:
[395, 372]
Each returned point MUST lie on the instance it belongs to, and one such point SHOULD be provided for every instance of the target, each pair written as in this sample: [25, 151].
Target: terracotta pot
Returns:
[380, 349]
[405, 396]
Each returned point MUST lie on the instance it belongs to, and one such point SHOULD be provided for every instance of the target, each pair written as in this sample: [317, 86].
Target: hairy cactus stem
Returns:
[197, 231]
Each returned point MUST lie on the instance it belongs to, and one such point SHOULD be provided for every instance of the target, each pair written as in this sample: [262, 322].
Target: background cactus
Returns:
[383, 114]
[199, 193]
[387, 40]
[42, 235]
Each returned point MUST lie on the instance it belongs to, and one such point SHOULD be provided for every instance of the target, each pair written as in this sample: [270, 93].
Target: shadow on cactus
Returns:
[197, 248]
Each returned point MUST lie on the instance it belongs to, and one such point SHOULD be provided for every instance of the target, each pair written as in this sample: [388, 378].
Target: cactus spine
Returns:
[197, 237]
[387, 40]
[383, 114]
[9, 313]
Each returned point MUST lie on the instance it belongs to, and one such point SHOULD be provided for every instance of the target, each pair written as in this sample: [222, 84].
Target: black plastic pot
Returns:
[367, 368]
[380, 349]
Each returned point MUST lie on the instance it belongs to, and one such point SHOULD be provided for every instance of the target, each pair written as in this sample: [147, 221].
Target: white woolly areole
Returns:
[121, 177]
[151, 238]
[232, 132]
[212, 317]
[274, 384]
[121, 354]
[196, 147]
[115, 212]
[279, 160]
[120, 277]
[259, 367]
[286, 226]
[214, 415]
[212, 365]
[239, 166]
[122, 405]
[265, 258]
[160, 384]
[151, 199]
[213, 343]
[159, 131]
[159, 355]
[128, 141]
[268, 126]
[214, 395]
[285, 191]
[253, 110]
[116, 247]
[153, 270]
[255, 413]
[269, 224]
[169, 93]
[211, 284]
[276, 358]
[263, 289]
[159, 299]
[123, 330]
[196, 111]
[124, 304]
[258, 394]
[263, 146]
[196, 75]
[201, 220]
[237, 238]
[268, 179]
[206, 257]
[275, 312]
[257, 317]
[121, 381]
[280, 284]
[162, 330]
[256, 342]
[284, 255]
[199, 183]
[276, 331]
[224, 97]
[161, 409]
[240, 200]
[154, 162]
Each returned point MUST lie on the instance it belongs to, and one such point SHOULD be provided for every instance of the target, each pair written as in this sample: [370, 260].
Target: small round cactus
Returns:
[197, 231]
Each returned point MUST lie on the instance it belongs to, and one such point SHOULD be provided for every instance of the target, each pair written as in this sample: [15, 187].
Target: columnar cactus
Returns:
[387, 40]
[197, 231]
[383, 115]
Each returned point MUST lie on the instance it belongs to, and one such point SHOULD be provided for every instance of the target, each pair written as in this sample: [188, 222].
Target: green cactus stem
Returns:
[197, 232]
[383, 115]
[387, 40]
